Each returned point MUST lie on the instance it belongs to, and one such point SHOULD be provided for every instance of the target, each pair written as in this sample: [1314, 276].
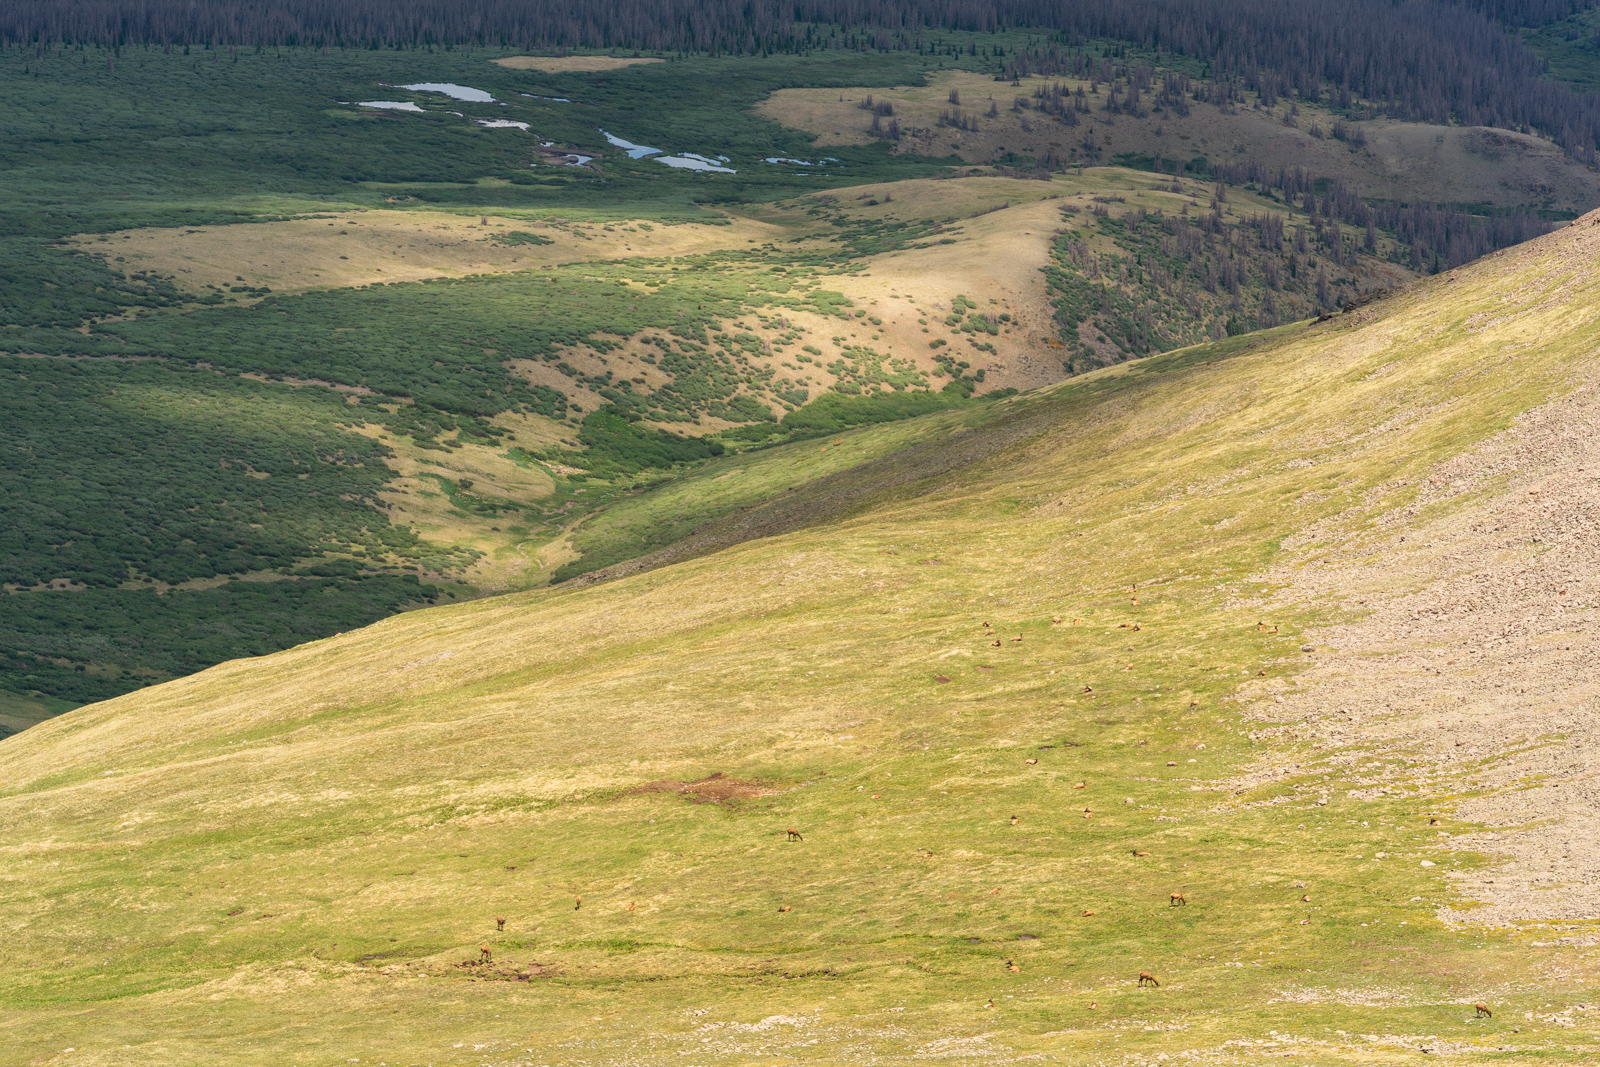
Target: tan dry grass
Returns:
[370, 246]
[565, 64]
[1405, 161]
[510, 561]
[999, 250]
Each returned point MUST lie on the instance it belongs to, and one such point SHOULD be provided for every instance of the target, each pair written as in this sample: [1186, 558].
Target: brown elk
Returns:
[577, 904]
[484, 953]
[1483, 1009]
[1030, 762]
[1146, 978]
[630, 905]
[1056, 619]
[786, 907]
[499, 924]
[1177, 898]
[1014, 820]
[1136, 852]
[794, 835]
[1305, 898]
[1086, 914]
[995, 643]
[1013, 967]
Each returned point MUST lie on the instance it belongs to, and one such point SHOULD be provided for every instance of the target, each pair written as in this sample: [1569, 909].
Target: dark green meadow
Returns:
[135, 458]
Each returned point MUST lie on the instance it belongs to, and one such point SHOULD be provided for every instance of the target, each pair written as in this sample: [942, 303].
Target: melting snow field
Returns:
[465, 93]
[392, 105]
[503, 124]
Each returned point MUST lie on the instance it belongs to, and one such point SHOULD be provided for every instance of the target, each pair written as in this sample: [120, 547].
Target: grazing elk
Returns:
[484, 953]
[1146, 978]
[1483, 1009]
[794, 835]
[1177, 898]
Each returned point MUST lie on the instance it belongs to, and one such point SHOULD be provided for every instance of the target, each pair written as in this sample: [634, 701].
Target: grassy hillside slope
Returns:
[301, 858]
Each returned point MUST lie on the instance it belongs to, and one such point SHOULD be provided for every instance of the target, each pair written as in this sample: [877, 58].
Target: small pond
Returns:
[692, 161]
[635, 151]
[464, 93]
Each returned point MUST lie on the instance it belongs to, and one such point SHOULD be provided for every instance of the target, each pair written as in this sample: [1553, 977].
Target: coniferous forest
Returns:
[1421, 60]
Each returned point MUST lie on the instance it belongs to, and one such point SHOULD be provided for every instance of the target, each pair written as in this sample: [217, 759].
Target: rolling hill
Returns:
[293, 339]
[1259, 665]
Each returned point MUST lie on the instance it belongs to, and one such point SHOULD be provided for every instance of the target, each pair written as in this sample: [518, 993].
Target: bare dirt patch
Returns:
[564, 64]
[366, 247]
[713, 789]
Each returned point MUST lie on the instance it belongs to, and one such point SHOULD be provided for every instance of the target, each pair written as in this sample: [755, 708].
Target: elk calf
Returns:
[1177, 898]
[1146, 978]
[794, 835]
[1483, 1009]
[499, 924]
[484, 953]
